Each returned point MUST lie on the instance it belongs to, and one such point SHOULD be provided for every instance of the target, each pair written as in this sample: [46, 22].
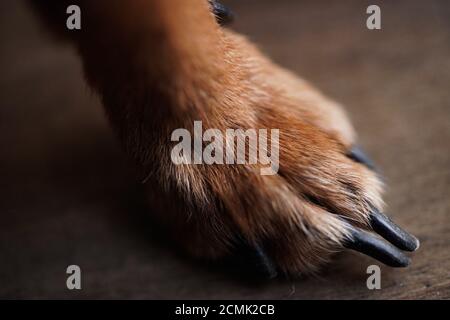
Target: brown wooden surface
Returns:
[68, 196]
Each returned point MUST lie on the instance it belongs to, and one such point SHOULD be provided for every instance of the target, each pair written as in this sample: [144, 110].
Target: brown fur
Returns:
[159, 65]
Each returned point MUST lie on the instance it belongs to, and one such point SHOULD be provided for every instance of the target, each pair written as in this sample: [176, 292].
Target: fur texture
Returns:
[158, 65]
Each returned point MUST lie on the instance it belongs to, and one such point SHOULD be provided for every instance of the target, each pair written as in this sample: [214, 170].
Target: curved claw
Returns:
[223, 14]
[386, 228]
[374, 247]
[357, 154]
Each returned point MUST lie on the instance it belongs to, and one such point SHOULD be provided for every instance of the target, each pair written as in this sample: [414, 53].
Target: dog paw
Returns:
[181, 67]
[324, 198]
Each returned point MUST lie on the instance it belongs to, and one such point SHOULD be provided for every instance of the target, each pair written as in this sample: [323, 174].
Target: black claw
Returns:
[386, 228]
[223, 14]
[253, 259]
[264, 263]
[374, 247]
[358, 155]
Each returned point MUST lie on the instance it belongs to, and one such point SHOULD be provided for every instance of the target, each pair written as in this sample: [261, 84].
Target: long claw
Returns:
[386, 228]
[222, 13]
[358, 155]
[374, 247]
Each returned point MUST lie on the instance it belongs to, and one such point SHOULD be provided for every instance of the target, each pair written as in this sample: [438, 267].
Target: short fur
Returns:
[159, 65]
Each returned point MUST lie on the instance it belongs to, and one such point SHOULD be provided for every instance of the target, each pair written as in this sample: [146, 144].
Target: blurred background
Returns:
[68, 195]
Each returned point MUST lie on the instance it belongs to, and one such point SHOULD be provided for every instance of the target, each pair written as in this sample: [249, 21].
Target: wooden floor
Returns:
[68, 196]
